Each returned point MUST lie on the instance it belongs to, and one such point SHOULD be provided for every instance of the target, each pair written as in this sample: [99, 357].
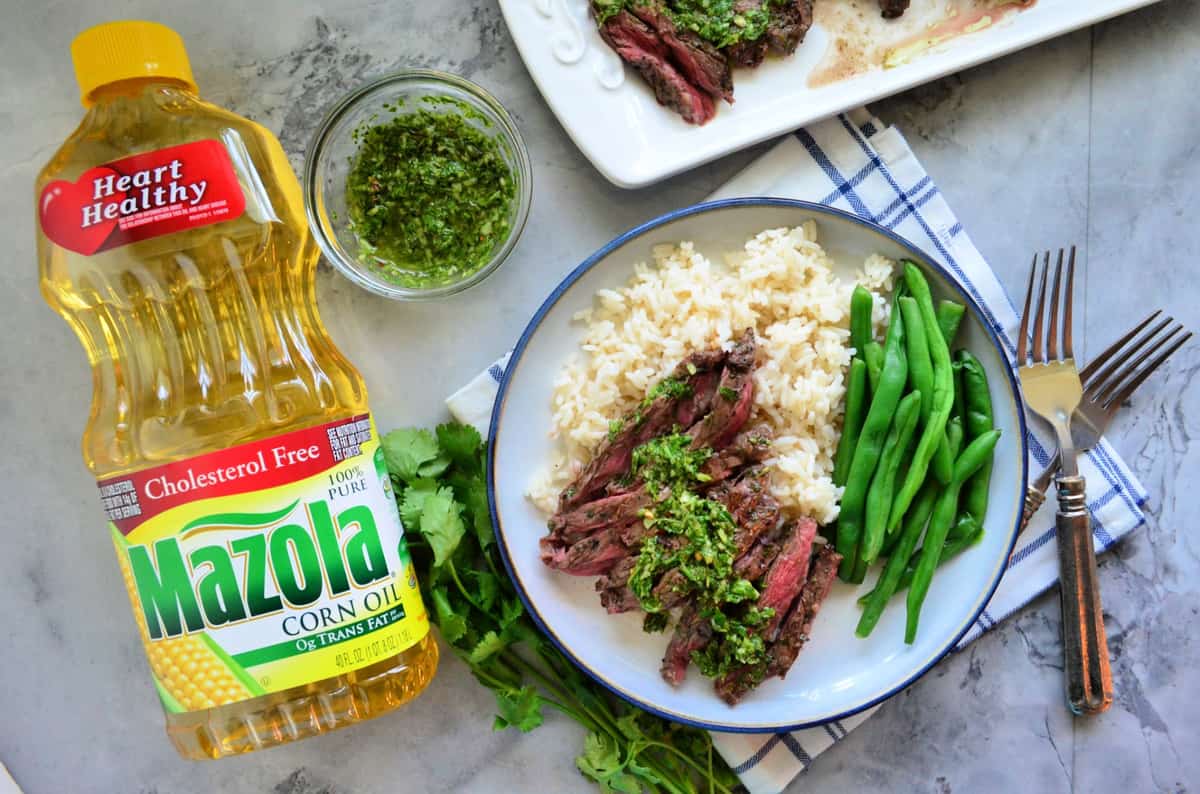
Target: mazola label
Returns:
[266, 566]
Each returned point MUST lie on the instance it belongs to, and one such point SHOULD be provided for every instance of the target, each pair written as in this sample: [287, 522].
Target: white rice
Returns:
[783, 286]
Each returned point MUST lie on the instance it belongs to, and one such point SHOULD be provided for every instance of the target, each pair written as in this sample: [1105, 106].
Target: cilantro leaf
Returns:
[472, 492]
[406, 450]
[521, 709]
[441, 524]
[511, 610]
[461, 444]
[412, 502]
[452, 624]
[487, 647]
[601, 761]
[487, 588]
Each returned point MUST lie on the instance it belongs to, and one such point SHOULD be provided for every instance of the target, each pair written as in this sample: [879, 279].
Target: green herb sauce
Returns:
[671, 469]
[429, 192]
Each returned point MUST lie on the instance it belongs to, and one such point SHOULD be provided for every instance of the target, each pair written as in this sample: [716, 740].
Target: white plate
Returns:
[837, 674]
[613, 118]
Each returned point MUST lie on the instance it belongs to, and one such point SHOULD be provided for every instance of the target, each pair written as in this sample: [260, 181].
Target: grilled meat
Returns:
[640, 47]
[735, 398]
[701, 62]
[613, 456]
[798, 627]
[692, 633]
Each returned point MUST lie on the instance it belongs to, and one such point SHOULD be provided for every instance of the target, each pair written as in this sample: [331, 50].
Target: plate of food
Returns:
[650, 88]
[674, 495]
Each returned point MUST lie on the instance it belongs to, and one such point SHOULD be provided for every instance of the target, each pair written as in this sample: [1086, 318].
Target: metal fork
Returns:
[1108, 381]
[1053, 390]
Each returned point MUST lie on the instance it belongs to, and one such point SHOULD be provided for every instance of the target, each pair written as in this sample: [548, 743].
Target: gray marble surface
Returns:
[1090, 138]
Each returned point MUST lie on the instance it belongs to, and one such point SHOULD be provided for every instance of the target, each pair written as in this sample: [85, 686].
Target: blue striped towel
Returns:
[855, 163]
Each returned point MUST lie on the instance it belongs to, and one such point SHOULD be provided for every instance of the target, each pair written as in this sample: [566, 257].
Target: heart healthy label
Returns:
[150, 194]
[266, 566]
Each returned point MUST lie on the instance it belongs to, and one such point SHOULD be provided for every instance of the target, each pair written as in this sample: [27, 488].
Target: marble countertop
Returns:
[1088, 139]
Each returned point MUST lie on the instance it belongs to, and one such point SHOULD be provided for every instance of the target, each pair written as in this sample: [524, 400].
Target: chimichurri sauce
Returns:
[429, 193]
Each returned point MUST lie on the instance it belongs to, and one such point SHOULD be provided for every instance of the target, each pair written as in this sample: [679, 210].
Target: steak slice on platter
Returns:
[757, 560]
[593, 555]
[749, 446]
[640, 47]
[615, 452]
[787, 574]
[734, 399]
[701, 62]
[616, 510]
[781, 588]
[788, 25]
[692, 633]
[613, 587]
[798, 627]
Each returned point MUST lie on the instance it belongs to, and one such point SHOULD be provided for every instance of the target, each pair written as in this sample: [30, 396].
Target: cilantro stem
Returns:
[683, 756]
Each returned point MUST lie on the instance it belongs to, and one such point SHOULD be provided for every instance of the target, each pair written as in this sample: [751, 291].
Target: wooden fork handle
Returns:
[1085, 644]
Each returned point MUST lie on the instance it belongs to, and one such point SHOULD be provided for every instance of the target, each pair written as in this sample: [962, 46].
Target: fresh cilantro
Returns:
[441, 524]
[406, 451]
[521, 710]
[413, 501]
[614, 428]
[453, 625]
[442, 495]
[461, 444]
[727, 393]
[487, 647]
[601, 761]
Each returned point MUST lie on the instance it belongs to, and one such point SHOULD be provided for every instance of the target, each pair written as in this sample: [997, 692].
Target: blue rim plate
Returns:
[837, 674]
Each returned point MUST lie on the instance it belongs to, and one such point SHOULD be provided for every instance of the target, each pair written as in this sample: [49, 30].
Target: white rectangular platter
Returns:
[612, 116]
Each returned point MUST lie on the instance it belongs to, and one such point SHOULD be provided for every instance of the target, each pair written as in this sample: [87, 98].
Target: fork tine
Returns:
[1114, 386]
[1052, 342]
[1128, 389]
[1023, 334]
[1086, 373]
[1112, 374]
[1039, 352]
[1068, 349]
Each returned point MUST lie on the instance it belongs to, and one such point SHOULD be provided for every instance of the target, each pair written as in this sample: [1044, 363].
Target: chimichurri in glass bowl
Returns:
[417, 185]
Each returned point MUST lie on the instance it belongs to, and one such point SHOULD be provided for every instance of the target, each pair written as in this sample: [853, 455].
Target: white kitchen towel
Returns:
[855, 163]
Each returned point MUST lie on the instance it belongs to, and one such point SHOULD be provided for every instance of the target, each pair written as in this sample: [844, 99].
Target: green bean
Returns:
[964, 525]
[953, 548]
[969, 462]
[959, 406]
[883, 484]
[873, 355]
[978, 420]
[949, 316]
[914, 524]
[892, 377]
[862, 305]
[856, 399]
[954, 436]
[920, 368]
[934, 433]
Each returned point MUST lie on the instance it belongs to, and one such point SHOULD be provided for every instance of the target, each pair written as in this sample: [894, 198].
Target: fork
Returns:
[1108, 381]
[1053, 390]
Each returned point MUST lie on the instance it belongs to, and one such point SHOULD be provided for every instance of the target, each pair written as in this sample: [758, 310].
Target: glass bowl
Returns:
[331, 157]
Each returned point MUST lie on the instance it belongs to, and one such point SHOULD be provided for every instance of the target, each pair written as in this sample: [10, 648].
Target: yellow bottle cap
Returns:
[128, 50]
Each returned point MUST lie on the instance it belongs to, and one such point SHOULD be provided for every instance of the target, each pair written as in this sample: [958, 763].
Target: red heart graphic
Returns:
[61, 211]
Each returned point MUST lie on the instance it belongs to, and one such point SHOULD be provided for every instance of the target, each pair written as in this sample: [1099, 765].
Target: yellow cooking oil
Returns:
[238, 467]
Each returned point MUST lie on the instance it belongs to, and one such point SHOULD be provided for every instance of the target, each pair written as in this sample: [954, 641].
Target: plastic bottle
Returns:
[238, 466]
